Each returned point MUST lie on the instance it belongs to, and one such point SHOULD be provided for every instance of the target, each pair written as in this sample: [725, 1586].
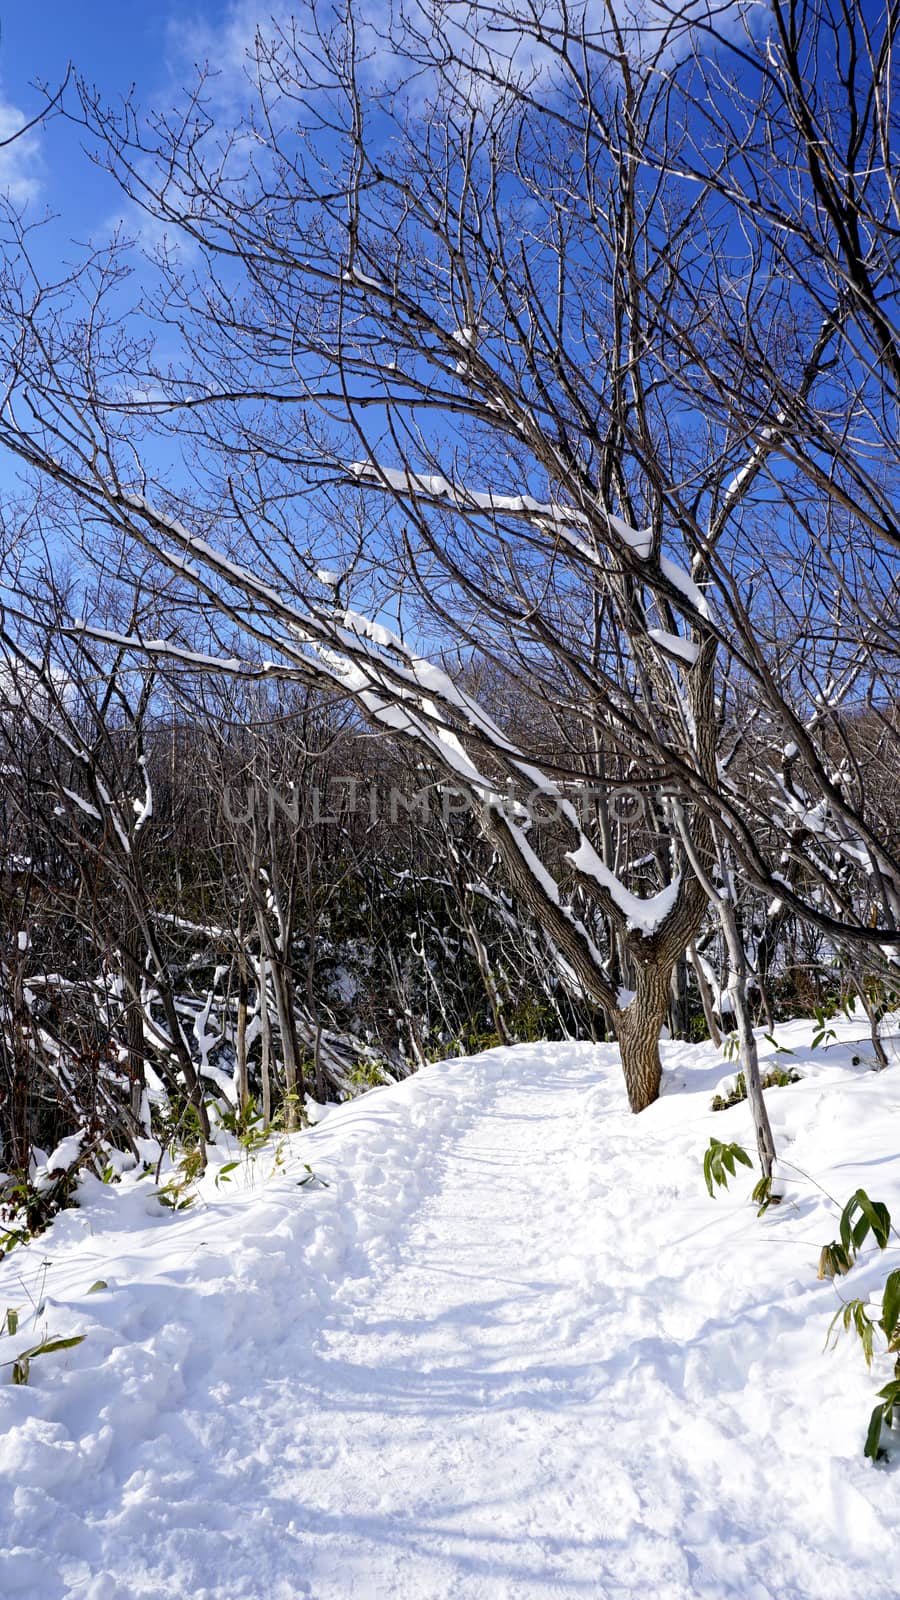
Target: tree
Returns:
[470, 350]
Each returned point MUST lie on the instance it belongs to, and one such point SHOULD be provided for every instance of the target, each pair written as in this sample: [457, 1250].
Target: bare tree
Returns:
[478, 354]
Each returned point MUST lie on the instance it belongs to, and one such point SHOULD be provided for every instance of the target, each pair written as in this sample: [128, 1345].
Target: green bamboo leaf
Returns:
[866, 1335]
[877, 1216]
[47, 1345]
[846, 1225]
[60, 1344]
[873, 1437]
[890, 1309]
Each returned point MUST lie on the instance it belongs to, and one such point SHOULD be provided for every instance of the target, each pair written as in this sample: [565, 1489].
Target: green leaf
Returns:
[877, 1216]
[12, 1319]
[890, 1393]
[47, 1345]
[845, 1226]
[860, 1230]
[873, 1438]
[96, 1287]
[890, 1310]
[719, 1163]
[866, 1334]
[311, 1177]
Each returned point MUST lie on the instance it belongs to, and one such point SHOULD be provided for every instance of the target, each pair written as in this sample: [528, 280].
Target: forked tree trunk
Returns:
[638, 1027]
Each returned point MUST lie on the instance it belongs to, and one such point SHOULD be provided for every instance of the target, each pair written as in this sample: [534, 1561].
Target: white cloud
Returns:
[503, 37]
[20, 162]
[225, 46]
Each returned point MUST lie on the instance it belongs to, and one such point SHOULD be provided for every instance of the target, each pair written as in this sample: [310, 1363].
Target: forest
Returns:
[449, 598]
[515, 443]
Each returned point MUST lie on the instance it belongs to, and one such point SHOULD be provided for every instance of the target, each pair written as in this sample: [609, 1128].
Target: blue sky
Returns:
[114, 43]
[152, 44]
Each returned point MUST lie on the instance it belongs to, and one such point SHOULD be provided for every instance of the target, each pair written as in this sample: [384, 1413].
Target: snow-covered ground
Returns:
[513, 1349]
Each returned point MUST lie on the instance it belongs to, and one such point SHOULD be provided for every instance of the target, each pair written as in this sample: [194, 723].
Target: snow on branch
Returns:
[417, 699]
[567, 523]
[644, 916]
[432, 486]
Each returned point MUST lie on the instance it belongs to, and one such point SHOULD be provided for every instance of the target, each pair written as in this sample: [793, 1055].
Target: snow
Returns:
[674, 644]
[354, 275]
[756, 456]
[466, 338]
[82, 804]
[561, 520]
[682, 581]
[435, 487]
[640, 540]
[143, 809]
[512, 1351]
[66, 1153]
[642, 914]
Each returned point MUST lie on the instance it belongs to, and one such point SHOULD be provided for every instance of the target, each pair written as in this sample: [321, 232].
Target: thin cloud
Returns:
[20, 160]
[505, 36]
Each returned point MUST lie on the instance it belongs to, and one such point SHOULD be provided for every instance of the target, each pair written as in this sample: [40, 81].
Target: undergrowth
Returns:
[876, 1319]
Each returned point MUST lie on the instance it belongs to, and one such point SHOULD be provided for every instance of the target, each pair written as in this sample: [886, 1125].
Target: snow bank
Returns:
[511, 1350]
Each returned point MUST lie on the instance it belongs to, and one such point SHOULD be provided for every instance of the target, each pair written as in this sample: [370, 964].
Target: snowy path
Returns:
[512, 1351]
[469, 1456]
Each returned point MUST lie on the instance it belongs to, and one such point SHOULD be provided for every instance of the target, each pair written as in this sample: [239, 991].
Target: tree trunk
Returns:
[679, 1009]
[266, 1036]
[706, 999]
[738, 989]
[134, 1027]
[638, 1027]
[321, 1091]
[191, 1079]
[874, 1024]
[294, 1087]
[240, 1046]
[487, 977]
[17, 1157]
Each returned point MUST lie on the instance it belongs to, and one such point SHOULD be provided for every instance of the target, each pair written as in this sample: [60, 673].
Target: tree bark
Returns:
[266, 1036]
[738, 989]
[240, 1047]
[638, 1026]
[134, 1027]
